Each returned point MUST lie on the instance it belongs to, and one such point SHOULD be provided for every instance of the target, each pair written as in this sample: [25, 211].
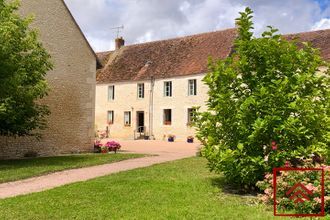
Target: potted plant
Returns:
[113, 146]
[97, 146]
[170, 138]
[104, 149]
[190, 139]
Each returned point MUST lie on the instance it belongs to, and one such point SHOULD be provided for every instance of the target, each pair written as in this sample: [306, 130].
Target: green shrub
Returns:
[24, 63]
[286, 179]
[268, 92]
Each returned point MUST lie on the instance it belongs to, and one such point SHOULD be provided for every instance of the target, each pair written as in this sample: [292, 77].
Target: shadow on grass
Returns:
[228, 188]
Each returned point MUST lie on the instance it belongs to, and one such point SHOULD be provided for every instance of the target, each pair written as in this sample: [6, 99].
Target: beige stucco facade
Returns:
[72, 85]
[126, 99]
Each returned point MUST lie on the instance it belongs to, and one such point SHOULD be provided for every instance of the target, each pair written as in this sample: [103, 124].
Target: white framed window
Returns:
[110, 117]
[167, 116]
[127, 119]
[190, 116]
[168, 88]
[140, 90]
[192, 87]
[111, 93]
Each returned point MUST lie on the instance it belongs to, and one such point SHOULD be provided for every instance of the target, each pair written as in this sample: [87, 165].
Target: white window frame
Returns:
[168, 88]
[111, 93]
[192, 87]
[111, 117]
[127, 119]
[140, 90]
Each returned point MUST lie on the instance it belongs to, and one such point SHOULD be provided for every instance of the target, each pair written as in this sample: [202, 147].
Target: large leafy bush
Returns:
[268, 93]
[24, 63]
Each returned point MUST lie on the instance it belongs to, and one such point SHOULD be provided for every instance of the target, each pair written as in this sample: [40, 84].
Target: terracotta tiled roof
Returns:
[167, 58]
[104, 57]
[182, 56]
[319, 39]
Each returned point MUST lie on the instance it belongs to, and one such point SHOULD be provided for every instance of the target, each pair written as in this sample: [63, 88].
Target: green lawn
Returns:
[177, 190]
[11, 170]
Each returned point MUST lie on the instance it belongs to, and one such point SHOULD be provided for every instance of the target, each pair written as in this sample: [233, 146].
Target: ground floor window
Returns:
[127, 118]
[167, 116]
[191, 113]
[110, 117]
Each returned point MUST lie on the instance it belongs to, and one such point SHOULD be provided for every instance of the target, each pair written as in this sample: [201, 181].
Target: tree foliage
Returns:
[23, 65]
[268, 104]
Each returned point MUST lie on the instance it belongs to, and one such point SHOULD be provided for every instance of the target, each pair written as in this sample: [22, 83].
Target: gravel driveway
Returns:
[162, 150]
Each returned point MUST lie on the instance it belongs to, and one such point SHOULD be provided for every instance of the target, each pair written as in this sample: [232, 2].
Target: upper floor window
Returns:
[168, 88]
[111, 93]
[140, 90]
[167, 116]
[192, 87]
[127, 118]
[110, 117]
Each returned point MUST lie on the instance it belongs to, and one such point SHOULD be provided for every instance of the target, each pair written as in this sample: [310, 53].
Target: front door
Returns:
[140, 121]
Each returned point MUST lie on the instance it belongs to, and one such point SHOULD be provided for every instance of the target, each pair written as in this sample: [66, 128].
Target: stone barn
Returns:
[72, 85]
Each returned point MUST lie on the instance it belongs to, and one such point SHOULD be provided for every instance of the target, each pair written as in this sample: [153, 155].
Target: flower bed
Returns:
[286, 179]
[107, 147]
[113, 146]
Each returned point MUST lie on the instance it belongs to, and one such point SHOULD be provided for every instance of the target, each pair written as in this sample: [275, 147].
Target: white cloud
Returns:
[100, 44]
[288, 16]
[324, 23]
[148, 20]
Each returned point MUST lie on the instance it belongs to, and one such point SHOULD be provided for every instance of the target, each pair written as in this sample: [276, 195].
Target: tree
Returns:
[24, 63]
[268, 104]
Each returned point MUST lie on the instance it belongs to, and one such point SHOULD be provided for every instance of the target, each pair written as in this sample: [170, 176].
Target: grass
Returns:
[11, 170]
[182, 189]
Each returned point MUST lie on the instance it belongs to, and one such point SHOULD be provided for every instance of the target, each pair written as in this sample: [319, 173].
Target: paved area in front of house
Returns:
[164, 152]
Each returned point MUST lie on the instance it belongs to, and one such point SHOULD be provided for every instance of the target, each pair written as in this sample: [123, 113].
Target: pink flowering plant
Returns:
[97, 143]
[286, 179]
[97, 146]
[113, 146]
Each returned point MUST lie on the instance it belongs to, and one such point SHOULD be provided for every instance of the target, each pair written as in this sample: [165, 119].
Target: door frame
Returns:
[138, 117]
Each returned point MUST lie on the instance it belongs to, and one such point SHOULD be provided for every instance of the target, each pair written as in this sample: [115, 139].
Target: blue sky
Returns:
[149, 20]
[323, 3]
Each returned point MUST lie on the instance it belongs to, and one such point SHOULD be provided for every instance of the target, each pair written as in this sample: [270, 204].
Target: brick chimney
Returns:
[119, 42]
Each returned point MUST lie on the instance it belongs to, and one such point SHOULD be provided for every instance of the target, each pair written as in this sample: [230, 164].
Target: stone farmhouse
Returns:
[149, 90]
[72, 85]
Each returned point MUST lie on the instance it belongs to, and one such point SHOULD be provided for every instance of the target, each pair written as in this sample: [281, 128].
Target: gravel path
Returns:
[164, 152]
